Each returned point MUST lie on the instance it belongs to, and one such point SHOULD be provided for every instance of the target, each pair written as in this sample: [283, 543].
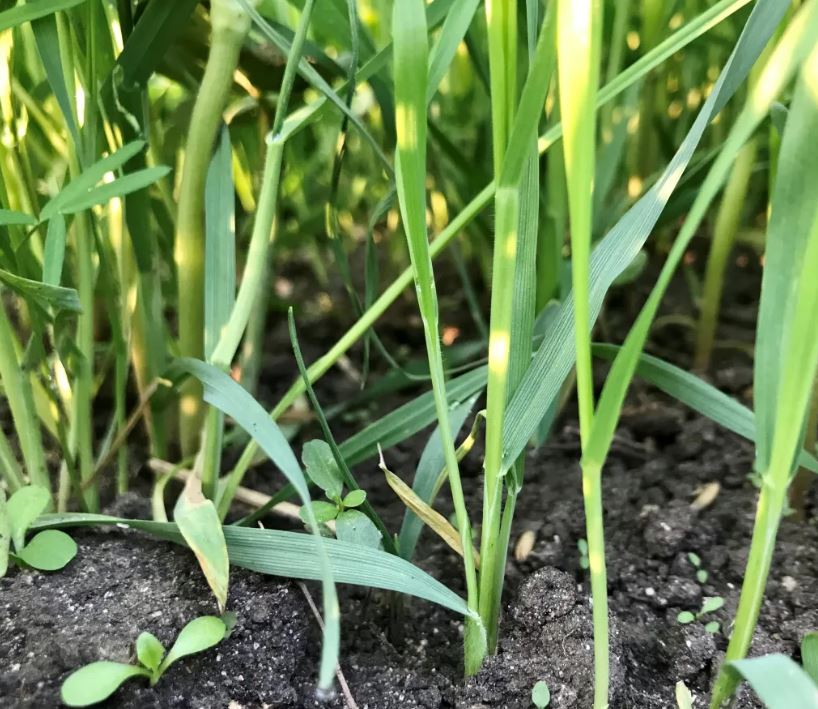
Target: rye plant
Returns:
[97, 249]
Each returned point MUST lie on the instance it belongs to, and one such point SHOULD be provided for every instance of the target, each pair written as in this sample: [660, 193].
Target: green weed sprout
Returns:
[48, 550]
[701, 574]
[96, 682]
[540, 695]
[351, 525]
[710, 605]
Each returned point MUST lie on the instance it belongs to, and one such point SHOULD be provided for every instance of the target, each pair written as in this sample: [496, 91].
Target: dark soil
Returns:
[122, 583]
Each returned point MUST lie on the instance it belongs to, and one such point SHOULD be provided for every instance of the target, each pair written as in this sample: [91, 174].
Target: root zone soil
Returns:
[409, 654]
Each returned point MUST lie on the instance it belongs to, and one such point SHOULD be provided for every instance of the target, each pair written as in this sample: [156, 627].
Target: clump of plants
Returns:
[140, 267]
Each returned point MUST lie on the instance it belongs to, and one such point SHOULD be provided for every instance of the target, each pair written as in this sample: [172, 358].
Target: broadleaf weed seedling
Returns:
[351, 525]
[701, 574]
[97, 681]
[48, 550]
[710, 605]
[541, 695]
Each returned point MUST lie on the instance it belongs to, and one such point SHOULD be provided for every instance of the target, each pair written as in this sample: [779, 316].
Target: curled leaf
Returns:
[200, 525]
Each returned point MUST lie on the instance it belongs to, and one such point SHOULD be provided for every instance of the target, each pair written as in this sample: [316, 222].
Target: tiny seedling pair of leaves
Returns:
[351, 525]
[96, 682]
[779, 681]
[710, 605]
[48, 550]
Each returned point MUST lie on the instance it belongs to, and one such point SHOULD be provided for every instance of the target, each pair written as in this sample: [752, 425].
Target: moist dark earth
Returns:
[409, 655]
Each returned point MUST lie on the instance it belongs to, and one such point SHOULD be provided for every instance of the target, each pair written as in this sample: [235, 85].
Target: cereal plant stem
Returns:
[724, 233]
[594, 529]
[255, 275]
[768, 515]
[189, 249]
[17, 388]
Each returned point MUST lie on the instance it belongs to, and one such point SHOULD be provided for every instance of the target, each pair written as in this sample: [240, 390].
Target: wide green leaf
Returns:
[198, 635]
[355, 527]
[49, 550]
[779, 682]
[96, 682]
[22, 508]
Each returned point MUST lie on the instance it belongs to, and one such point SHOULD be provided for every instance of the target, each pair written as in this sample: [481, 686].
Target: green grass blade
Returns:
[119, 187]
[406, 420]
[699, 395]
[156, 30]
[790, 52]
[789, 299]
[220, 242]
[455, 26]
[410, 66]
[293, 555]
[315, 79]
[54, 253]
[44, 295]
[31, 11]
[9, 217]
[228, 396]
[79, 187]
[50, 46]
[614, 253]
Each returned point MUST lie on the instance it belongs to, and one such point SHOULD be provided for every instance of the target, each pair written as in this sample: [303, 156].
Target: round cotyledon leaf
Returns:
[49, 550]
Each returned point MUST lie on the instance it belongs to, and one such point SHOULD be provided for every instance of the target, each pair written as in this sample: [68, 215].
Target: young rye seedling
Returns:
[710, 605]
[96, 682]
[49, 550]
[351, 525]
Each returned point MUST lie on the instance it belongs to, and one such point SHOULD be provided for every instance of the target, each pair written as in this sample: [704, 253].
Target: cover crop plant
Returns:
[164, 166]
